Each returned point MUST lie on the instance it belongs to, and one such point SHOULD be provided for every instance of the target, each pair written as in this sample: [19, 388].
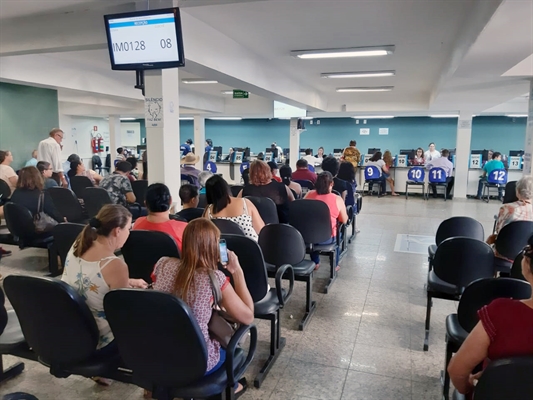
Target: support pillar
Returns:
[115, 138]
[528, 148]
[199, 140]
[462, 154]
[163, 127]
[294, 143]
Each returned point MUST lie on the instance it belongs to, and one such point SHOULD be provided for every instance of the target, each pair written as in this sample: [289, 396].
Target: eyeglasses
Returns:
[60, 136]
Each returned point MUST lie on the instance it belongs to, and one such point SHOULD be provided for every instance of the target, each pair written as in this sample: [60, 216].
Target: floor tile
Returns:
[364, 386]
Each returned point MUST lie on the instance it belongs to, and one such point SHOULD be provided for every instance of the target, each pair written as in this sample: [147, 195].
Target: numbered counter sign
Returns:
[475, 161]
[268, 156]
[497, 177]
[238, 157]
[211, 167]
[367, 158]
[401, 161]
[244, 166]
[437, 175]
[515, 162]
[213, 156]
[416, 174]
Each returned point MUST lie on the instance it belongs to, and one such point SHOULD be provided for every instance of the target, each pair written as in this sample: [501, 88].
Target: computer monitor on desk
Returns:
[218, 149]
[373, 150]
[273, 151]
[516, 153]
[245, 151]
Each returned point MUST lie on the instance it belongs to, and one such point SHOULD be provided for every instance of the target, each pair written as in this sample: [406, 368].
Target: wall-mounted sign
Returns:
[383, 131]
[475, 161]
[240, 94]
[364, 131]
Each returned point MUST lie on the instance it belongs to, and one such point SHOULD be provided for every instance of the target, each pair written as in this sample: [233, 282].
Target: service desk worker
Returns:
[495, 163]
[49, 150]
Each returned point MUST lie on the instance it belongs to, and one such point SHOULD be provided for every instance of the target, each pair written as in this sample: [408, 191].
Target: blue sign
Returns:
[371, 172]
[497, 177]
[311, 168]
[244, 166]
[437, 175]
[416, 174]
[211, 167]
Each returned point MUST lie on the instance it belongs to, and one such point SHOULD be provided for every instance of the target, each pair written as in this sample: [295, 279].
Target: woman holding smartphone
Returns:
[188, 279]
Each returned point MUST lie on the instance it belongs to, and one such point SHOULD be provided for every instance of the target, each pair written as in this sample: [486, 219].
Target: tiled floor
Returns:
[365, 339]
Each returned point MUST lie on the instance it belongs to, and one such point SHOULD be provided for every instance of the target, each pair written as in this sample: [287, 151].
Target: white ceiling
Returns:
[449, 56]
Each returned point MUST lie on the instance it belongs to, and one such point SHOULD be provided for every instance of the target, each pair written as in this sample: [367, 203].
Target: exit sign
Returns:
[240, 94]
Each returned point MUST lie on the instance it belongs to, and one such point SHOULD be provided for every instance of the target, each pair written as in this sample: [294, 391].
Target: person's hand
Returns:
[472, 379]
[64, 183]
[233, 265]
[138, 283]
[491, 239]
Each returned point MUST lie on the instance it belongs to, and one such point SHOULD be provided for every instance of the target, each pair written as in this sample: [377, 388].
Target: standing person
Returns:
[7, 173]
[185, 148]
[495, 163]
[352, 154]
[32, 162]
[46, 171]
[49, 150]
[377, 162]
[418, 157]
[447, 166]
[387, 157]
[431, 153]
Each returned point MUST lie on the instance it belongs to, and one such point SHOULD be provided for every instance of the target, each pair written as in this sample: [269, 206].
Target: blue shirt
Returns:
[208, 149]
[185, 148]
[492, 165]
[31, 163]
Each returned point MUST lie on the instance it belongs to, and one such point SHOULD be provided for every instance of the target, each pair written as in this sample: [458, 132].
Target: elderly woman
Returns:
[505, 329]
[519, 210]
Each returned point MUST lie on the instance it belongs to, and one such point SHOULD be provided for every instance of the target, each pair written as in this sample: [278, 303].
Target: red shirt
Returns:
[304, 175]
[509, 324]
[170, 227]
[276, 178]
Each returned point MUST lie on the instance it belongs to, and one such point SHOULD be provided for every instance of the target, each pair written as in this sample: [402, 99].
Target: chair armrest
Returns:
[279, 276]
[234, 376]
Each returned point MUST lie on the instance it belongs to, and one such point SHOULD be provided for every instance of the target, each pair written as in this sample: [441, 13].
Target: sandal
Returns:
[244, 385]
[337, 268]
[102, 381]
[317, 266]
[394, 194]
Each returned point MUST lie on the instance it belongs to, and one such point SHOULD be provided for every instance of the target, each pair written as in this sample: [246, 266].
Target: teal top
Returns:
[31, 163]
[492, 165]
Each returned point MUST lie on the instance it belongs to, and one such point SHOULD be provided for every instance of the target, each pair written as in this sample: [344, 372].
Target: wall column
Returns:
[462, 154]
[528, 148]
[115, 138]
[294, 143]
[199, 140]
[163, 127]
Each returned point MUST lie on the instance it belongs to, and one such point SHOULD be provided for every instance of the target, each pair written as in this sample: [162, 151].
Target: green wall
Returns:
[27, 114]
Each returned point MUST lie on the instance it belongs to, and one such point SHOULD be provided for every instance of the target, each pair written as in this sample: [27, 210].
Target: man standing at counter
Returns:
[432, 153]
[495, 163]
[442, 162]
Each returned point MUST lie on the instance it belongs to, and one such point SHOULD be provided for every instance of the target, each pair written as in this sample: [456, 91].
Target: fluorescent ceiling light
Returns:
[365, 89]
[362, 74]
[226, 118]
[284, 118]
[128, 119]
[186, 118]
[307, 118]
[341, 53]
[517, 115]
[198, 81]
[227, 92]
[445, 116]
[375, 117]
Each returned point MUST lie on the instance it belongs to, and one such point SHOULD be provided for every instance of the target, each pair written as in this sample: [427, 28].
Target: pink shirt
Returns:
[331, 200]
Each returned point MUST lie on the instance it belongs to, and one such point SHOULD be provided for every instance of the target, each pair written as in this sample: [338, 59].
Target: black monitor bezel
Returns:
[147, 66]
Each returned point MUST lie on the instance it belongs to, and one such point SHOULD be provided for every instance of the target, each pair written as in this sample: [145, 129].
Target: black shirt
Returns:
[277, 192]
[189, 214]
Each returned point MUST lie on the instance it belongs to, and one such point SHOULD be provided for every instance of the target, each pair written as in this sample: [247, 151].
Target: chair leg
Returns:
[406, 191]
[11, 372]
[277, 343]
[310, 305]
[333, 272]
[428, 318]
[445, 375]
[53, 265]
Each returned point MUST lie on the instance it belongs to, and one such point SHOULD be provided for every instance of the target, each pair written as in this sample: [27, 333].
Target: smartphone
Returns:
[223, 252]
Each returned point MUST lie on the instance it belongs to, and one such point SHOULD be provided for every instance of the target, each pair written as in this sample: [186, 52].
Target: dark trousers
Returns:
[145, 170]
[450, 181]
[382, 181]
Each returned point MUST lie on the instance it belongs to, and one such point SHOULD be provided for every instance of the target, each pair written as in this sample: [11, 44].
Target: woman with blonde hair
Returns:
[389, 162]
[189, 279]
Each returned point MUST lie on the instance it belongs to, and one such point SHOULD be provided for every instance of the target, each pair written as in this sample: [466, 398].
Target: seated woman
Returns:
[505, 329]
[46, 171]
[188, 278]
[347, 174]
[262, 185]
[78, 169]
[30, 185]
[158, 202]
[331, 164]
[520, 210]
[377, 162]
[93, 269]
[389, 161]
[7, 174]
[285, 173]
[337, 209]
[418, 157]
[220, 204]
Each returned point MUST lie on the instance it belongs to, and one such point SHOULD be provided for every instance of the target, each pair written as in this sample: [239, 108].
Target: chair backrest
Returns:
[267, 209]
[67, 204]
[507, 378]
[459, 226]
[497, 177]
[304, 183]
[282, 244]
[311, 168]
[202, 200]
[3, 312]
[227, 226]
[54, 318]
[175, 354]
[94, 199]
[416, 174]
[437, 175]
[236, 189]
[78, 185]
[187, 179]
[312, 219]
[513, 237]
[510, 192]
[65, 234]
[19, 222]
[516, 269]
[252, 263]
[483, 291]
[5, 190]
[139, 190]
[143, 249]
[96, 161]
[372, 172]
[461, 260]
[108, 160]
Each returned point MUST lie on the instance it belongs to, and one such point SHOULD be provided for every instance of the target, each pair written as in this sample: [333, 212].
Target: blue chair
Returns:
[372, 175]
[496, 179]
[187, 179]
[415, 177]
[437, 177]
[311, 168]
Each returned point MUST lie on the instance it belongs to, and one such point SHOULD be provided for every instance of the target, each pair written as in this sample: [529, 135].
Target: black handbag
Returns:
[42, 221]
[221, 325]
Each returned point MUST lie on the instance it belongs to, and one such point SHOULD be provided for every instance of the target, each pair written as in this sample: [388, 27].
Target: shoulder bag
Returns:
[221, 325]
[42, 221]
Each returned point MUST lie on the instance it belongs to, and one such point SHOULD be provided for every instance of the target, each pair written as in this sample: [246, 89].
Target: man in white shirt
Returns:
[444, 163]
[431, 154]
[49, 150]
[310, 158]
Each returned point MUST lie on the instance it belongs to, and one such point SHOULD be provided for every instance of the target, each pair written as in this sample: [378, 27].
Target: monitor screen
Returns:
[145, 39]
[335, 151]
[516, 153]
[274, 151]
[373, 150]
[406, 151]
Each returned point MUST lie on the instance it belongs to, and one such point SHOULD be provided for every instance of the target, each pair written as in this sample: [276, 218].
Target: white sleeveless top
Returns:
[86, 277]
[244, 221]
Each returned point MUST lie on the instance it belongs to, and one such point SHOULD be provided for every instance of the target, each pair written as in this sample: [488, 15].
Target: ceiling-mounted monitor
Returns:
[142, 40]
